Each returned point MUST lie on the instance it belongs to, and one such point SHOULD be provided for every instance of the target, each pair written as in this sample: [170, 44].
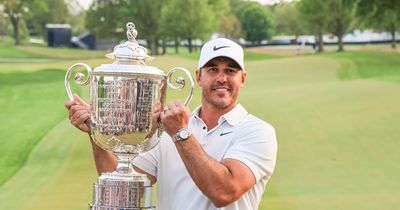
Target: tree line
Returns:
[166, 21]
[337, 17]
[173, 21]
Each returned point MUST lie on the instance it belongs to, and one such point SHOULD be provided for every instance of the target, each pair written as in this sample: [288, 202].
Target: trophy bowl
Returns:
[121, 109]
[122, 99]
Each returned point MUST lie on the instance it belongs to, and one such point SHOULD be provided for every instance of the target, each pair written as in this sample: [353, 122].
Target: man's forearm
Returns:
[105, 161]
[212, 177]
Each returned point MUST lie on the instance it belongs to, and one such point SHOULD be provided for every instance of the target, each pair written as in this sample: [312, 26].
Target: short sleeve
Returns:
[147, 161]
[256, 147]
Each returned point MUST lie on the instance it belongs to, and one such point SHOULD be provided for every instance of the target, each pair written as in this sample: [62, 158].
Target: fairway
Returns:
[337, 120]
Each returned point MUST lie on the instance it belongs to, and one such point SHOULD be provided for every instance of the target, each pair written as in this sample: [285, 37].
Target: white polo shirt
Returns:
[238, 135]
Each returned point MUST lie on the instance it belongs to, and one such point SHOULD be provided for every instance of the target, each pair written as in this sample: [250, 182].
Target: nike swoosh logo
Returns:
[223, 134]
[218, 48]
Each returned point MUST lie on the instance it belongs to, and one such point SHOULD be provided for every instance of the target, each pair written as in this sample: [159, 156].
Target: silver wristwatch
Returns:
[182, 135]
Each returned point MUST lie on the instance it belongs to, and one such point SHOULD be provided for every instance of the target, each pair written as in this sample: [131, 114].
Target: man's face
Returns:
[220, 80]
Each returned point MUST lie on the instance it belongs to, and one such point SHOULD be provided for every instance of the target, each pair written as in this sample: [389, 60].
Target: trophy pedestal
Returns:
[120, 191]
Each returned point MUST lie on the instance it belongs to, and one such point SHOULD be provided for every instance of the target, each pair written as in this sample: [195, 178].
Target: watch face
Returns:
[184, 134]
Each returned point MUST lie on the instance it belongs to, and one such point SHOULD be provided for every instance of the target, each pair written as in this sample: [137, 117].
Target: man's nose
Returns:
[221, 77]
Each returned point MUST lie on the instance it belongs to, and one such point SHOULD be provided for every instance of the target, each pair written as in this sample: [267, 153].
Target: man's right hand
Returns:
[79, 113]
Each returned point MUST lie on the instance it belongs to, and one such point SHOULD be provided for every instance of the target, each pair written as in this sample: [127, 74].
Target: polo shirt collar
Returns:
[196, 112]
[233, 117]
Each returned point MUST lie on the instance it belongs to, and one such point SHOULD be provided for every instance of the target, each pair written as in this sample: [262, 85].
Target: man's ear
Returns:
[198, 75]
[244, 76]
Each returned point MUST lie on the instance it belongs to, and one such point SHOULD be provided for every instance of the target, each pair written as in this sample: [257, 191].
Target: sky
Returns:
[86, 3]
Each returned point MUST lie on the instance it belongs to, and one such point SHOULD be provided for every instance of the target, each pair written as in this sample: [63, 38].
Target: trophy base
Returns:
[91, 207]
[120, 191]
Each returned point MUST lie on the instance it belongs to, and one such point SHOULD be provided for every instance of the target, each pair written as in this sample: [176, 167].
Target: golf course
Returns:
[336, 115]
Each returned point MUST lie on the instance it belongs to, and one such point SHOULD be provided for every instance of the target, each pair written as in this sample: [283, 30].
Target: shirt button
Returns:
[204, 127]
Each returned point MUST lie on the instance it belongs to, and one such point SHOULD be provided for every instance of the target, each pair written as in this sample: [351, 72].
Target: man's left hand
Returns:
[175, 116]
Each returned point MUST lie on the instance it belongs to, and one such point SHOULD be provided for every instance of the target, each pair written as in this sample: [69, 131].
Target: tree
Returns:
[313, 16]
[3, 22]
[236, 4]
[104, 18]
[286, 19]
[146, 16]
[77, 16]
[20, 9]
[340, 15]
[195, 23]
[224, 10]
[170, 28]
[52, 11]
[256, 22]
[380, 15]
[225, 21]
[230, 27]
[108, 19]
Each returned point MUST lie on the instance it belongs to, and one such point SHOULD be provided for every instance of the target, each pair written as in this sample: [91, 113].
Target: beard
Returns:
[219, 102]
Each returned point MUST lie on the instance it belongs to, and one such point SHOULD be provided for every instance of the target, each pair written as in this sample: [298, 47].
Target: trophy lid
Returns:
[129, 57]
[130, 51]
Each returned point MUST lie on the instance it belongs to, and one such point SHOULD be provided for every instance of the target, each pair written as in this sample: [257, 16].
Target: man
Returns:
[218, 156]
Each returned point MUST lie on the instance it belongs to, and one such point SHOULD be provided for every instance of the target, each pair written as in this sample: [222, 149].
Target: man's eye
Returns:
[231, 70]
[212, 69]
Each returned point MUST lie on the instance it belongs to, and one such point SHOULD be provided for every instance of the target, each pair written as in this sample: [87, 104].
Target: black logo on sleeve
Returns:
[223, 134]
[218, 48]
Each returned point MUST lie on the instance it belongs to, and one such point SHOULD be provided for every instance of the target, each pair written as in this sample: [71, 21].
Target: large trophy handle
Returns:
[78, 77]
[181, 82]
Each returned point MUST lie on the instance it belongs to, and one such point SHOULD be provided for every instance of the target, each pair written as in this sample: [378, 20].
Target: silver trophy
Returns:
[122, 98]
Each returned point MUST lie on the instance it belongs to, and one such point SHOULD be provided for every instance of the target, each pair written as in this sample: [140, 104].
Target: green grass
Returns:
[32, 105]
[253, 56]
[28, 53]
[336, 117]
[65, 53]
[367, 64]
[57, 175]
[10, 51]
[338, 139]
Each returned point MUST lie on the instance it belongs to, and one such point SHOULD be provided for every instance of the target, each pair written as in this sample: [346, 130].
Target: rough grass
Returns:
[336, 120]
